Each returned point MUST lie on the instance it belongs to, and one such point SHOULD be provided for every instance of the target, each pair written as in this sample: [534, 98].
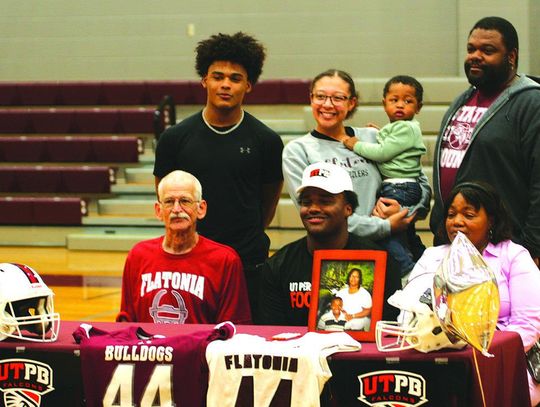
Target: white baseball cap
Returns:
[326, 176]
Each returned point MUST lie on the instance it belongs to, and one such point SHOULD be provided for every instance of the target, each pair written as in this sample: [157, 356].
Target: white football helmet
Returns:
[26, 305]
[417, 327]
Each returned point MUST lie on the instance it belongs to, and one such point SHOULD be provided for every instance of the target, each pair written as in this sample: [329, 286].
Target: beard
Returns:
[492, 77]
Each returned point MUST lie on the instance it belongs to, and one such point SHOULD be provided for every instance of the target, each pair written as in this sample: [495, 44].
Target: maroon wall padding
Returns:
[118, 93]
[124, 93]
[53, 179]
[40, 211]
[115, 149]
[267, 92]
[51, 120]
[86, 180]
[39, 93]
[15, 121]
[76, 120]
[97, 121]
[38, 179]
[8, 179]
[57, 211]
[22, 149]
[197, 94]
[295, 91]
[134, 121]
[83, 149]
[81, 93]
[16, 211]
[69, 149]
[179, 91]
[9, 94]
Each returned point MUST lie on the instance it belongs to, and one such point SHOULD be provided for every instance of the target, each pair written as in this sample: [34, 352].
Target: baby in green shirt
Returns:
[397, 153]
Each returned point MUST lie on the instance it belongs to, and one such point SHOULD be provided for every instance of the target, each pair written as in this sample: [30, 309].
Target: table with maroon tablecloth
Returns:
[367, 377]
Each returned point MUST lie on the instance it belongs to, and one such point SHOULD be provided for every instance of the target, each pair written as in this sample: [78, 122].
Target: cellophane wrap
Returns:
[466, 295]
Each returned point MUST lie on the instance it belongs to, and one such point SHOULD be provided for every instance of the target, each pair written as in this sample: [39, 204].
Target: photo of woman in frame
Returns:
[352, 284]
[348, 288]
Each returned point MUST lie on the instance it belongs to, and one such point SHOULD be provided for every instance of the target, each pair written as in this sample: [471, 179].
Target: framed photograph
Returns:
[347, 292]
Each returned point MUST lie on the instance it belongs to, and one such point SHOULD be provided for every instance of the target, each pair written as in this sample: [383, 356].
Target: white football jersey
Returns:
[249, 370]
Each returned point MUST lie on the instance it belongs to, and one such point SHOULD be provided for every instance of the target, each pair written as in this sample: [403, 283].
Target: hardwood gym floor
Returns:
[86, 284]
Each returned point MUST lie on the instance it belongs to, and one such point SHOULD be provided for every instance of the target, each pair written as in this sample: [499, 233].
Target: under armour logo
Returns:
[246, 150]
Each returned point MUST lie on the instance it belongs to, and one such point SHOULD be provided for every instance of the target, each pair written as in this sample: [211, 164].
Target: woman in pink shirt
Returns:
[476, 210]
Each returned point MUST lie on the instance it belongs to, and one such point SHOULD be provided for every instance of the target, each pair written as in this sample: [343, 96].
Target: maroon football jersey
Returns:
[131, 367]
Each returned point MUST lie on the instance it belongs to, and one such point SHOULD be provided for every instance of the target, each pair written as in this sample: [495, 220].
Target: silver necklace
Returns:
[233, 128]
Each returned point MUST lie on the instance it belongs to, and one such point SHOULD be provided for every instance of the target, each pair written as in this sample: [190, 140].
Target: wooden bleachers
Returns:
[47, 127]
[58, 112]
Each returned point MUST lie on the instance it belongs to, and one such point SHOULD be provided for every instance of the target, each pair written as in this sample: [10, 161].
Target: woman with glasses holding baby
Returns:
[334, 99]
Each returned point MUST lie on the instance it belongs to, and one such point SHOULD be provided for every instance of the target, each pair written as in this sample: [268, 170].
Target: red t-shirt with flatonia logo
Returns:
[457, 138]
[203, 286]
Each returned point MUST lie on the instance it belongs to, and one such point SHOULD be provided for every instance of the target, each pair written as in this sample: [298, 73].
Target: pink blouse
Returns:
[518, 279]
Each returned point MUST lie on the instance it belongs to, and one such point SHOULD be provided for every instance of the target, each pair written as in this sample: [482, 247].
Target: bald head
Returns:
[180, 177]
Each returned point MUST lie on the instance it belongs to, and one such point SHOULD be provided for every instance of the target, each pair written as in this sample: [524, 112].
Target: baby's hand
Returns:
[373, 125]
[350, 142]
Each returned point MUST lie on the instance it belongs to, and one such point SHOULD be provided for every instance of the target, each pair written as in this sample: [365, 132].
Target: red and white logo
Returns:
[320, 172]
[392, 388]
[24, 381]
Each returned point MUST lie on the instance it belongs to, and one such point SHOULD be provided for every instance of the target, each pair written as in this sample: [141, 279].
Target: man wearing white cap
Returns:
[326, 199]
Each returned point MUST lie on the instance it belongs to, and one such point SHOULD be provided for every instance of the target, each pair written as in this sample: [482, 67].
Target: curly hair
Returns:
[406, 80]
[239, 48]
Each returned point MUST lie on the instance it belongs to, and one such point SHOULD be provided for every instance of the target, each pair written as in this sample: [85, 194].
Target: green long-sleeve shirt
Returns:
[397, 151]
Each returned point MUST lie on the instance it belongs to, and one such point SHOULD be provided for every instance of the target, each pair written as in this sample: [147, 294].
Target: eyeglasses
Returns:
[185, 203]
[337, 100]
